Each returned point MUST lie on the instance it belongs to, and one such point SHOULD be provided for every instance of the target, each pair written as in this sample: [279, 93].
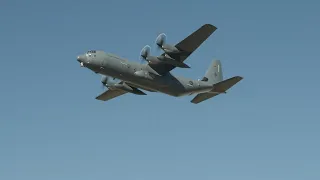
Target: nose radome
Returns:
[79, 58]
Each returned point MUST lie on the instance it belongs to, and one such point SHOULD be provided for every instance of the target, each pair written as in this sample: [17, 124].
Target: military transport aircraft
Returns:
[121, 76]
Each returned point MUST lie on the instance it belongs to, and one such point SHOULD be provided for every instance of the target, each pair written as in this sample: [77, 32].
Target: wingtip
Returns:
[194, 102]
[239, 77]
[210, 26]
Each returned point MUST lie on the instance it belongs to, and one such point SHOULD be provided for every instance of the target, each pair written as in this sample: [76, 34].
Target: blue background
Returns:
[266, 127]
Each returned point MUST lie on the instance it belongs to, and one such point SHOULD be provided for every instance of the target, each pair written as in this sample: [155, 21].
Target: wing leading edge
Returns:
[188, 46]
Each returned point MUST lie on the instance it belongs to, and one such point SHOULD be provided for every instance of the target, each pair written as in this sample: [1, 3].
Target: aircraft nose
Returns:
[81, 58]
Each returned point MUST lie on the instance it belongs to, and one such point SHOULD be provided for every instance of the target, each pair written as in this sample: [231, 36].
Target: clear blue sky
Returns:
[266, 127]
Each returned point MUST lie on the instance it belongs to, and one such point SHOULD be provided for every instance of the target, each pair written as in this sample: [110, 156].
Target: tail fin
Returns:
[214, 73]
[214, 76]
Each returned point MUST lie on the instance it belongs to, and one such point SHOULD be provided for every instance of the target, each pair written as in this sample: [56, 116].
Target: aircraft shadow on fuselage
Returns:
[174, 86]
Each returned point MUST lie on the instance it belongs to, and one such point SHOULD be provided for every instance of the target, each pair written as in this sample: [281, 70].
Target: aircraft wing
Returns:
[110, 94]
[202, 97]
[188, 45]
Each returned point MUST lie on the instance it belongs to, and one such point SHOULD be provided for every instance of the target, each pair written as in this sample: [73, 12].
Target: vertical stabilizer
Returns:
[214, 73]
[214, 76]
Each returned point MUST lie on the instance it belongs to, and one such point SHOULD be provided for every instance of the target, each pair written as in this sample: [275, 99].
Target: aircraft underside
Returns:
[169, 84]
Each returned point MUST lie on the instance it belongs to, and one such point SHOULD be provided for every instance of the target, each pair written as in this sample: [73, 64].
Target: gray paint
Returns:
[142, 75]
[156, 76]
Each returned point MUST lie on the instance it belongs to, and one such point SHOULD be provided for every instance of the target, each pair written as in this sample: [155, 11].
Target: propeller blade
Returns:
[104, 80]
[161, 40]
[145, 52]
[142, 60]
[102, 86]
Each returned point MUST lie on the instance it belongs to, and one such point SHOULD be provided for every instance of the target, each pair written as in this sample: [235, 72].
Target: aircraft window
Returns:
[92, 51]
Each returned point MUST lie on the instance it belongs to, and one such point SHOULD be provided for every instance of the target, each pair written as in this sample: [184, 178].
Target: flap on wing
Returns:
[110, 94]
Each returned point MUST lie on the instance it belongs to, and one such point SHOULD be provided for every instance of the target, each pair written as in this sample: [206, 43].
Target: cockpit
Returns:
[91, 53]
[91, 58]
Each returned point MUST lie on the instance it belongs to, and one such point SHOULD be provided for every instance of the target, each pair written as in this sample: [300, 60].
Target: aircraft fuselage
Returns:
[142, 75]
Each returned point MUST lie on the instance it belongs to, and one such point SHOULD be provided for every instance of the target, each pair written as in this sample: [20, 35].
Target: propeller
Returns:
[161, 40]
[104, 81]
[145, 52]
[108, 81]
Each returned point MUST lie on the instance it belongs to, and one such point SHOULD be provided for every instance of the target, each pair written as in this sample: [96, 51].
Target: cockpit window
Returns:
[91, 51]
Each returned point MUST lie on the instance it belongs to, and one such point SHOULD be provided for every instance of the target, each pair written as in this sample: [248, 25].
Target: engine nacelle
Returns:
[166, 59]
[169, 60]
[109, 81]
[169, 49]
[125, 87]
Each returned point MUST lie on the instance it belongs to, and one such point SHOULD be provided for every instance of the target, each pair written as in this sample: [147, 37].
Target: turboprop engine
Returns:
[113, 83]
[167, 48]
[145, 54]
[108, 81]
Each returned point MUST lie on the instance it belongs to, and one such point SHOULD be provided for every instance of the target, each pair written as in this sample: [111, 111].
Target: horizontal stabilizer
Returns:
[217, 89]
[223, 86]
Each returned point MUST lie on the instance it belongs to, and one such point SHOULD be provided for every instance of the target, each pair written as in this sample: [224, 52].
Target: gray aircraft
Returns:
[121, 76]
